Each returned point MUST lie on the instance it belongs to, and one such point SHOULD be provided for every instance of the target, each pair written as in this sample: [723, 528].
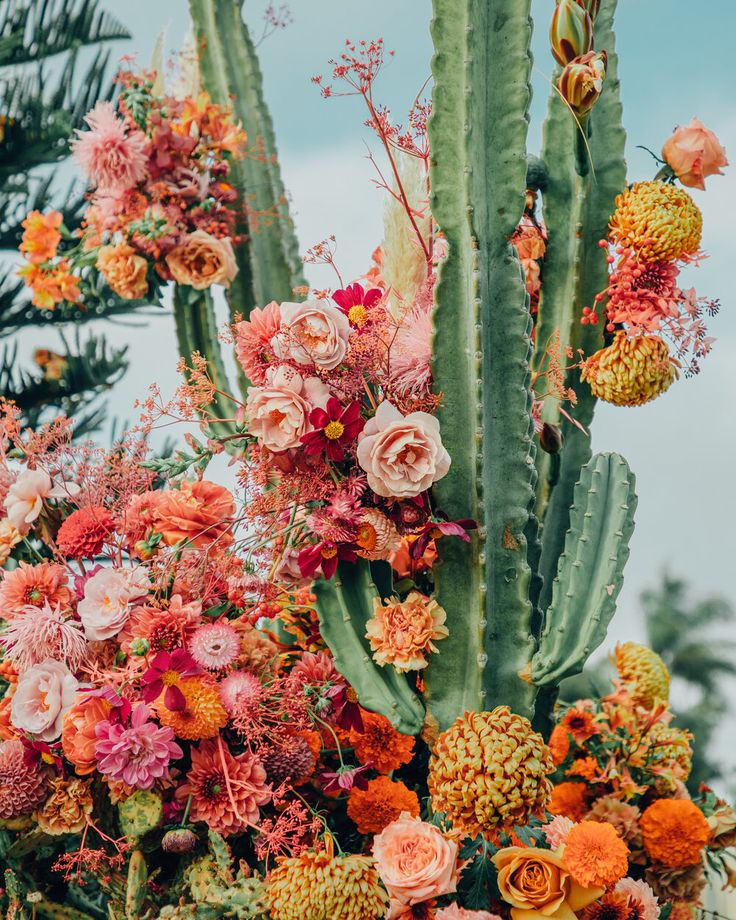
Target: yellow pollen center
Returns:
[334, 430]
[367, 536]
[351, 696]
[328, 552]
[169, 678]
[358, 315]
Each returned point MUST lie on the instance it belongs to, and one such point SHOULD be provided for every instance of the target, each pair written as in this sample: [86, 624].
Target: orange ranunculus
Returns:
[536, 884]
[694, 153]
[124, 270]
[41, 236]
[199, 513]
[78, 736]
[202, 260]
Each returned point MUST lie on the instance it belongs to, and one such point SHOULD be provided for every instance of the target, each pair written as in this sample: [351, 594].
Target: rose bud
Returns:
[571, 31]
[694, 152]
[179, 840]
[581, 81]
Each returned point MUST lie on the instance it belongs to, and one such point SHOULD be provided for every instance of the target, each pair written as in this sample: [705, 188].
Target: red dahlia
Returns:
[84, 532]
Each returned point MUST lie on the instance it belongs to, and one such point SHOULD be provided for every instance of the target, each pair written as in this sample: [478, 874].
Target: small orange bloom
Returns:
[78, 736]
[570, 800]
[199, 513]
[587, 767]
[675, 832]
[595, 854]
[580, 724]
[381, 803]
[380, 744]
[559, 744]
[41, 237]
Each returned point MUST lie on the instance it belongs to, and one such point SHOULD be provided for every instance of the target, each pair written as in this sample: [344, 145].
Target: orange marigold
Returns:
[380, 803]
[570, 800]
[203, 715]
[559, 744]
[587, 767]
[675, 832]
[595, 855]
[380, 744]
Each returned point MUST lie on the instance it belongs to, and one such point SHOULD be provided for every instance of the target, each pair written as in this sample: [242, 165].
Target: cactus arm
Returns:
[137, 885]
[590, 572]
[481, 353]
[344, 605]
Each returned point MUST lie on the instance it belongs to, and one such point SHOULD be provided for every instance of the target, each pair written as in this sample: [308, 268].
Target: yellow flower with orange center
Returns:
[403, 633]
[659, 221]
[203, 714]
[644, 673]
[630, 371]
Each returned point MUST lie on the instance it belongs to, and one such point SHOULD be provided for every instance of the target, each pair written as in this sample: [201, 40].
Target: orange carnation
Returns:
[569, 799]
[675, 832]
[380, 744]
[78, 737]
[559, 744]
[199, 513]
[380, 804]
[595, 854]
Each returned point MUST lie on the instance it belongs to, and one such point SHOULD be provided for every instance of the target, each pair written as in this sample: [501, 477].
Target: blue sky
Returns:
[676, 61]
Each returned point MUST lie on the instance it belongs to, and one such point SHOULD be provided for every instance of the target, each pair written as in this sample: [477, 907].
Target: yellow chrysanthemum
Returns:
[659, 221]
[322, 886]
[488, 772]
[644, 673]
[203, 715]
[630, 371]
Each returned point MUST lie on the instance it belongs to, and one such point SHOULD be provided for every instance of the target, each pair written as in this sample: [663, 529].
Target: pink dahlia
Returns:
[22, 787]
[111, 157]
[138, 755]
[253, 341]
[38, 633]
[215, 645]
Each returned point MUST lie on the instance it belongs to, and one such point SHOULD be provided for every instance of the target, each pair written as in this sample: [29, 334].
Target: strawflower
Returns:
[215, 645]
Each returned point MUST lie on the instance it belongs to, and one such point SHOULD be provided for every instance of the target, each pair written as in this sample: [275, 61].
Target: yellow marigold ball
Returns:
[322, 886]
[203, 715]
[675, 831]
[630, 371]
[658, 220]
[488, 772]
[644, 673]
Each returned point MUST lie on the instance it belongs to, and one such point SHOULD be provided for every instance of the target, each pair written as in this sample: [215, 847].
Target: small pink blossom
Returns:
[111, 157]
[639, 895]
[557, 830]
[313, 333]
[253, 341]
[138, 755]
[43, 695]
[215, 645]
[694, 153]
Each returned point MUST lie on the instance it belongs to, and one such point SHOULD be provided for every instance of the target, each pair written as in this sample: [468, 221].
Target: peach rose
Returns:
[202, 260]
[42, 697]
[415, 861]
[198, 512]
[402, 455]
[123, 270]
[105, 607]
[314, 332]
[26, 496]
[9, 537]
[694, 152]
[278, 413]
[536, 884]
[403, 633]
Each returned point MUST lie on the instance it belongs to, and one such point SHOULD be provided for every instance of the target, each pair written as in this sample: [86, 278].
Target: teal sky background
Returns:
[676, 60]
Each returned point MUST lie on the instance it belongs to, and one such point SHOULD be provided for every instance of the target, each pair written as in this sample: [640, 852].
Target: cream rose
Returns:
[402, 455]
[278, 413]
[105, 607]
[202, 260]
[43, 695]
[314, 332]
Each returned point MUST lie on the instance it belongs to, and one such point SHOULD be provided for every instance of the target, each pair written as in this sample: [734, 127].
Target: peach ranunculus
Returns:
[200, 513]
[536, 884]
[26, 495]
[43, 695]
[694, 153]
[202, 260]
[124, 270]
[415, 861]
[313, 332]
[402, 455]
[278, 413]
[78, 733]
[105, 607]
[402, 633]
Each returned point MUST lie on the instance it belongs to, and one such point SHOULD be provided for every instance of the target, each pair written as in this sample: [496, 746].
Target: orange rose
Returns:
[198, 512]
[694, 152]
[202, 260]
[123, 270]
[78, 736]
[536, 884]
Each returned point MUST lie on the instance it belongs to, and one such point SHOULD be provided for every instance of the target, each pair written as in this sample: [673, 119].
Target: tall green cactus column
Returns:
[481, 350]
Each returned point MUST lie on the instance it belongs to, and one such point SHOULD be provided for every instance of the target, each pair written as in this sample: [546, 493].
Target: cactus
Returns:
[218, 890]
[140, 813]
[135, 893]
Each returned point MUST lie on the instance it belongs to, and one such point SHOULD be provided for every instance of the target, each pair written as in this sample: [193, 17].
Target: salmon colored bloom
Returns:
[26, 495]
[380, 744]
[78, 735]
[51, 286]
[112, 157]
[84, 532]
[253, 341]
[279, 413]
[34, 585]
[595, 855]
[403, 633]
[381, 802]
[675, 832]
[313, 332]
[455, 912]
[203, 260]
[197, 513]
[570, 800]
[559, 744]
[124, 270]
[41, 237]
[587, 767]
[42, 697]
[556, 831]
[694, 153]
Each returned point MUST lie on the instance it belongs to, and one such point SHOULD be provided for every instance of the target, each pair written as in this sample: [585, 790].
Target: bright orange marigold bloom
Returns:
[380, 744]
[587, 767]
[382, 802]
[595, 855]
[203, 715]
[570, 800]
[559, 744]
[675, 832]
[41, 236]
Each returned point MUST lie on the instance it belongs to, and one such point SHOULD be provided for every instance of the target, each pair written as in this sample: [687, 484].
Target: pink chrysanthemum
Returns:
[33, 585]
[138, 755]
[557, 830]
[215, 645]
[643, 904]
[111, 157]
[38, 633]
[411, 352]
[253, 341]
[22, 787]
[241, 693]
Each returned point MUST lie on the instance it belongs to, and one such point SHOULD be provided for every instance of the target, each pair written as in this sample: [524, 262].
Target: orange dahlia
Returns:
[381, 802]
[34, 585]
[675, 832]
[380, 744]
[595, 855]
[203, 714]
[630, 371]
[659, 221]
[570, 800]
[78, 736]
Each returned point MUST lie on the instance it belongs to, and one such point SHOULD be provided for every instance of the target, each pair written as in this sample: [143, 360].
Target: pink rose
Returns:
[694, 152]
[455, 912]
[314, 332]
[278, 413]
[402, 455]
[42, 697]
[415, 862]
[105, 608]
[26, 495]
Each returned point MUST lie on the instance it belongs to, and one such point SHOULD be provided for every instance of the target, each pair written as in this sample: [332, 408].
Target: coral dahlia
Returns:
[22, 787]
[84, 532]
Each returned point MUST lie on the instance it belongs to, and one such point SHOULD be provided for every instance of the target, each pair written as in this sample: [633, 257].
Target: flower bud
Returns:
[592, 6]
[179, 840]
[571, 31]
[550, 438]
[139, 647]
[581, 81]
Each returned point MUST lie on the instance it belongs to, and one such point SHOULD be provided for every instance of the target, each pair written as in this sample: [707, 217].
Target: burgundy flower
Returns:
[345, 707]
[355, 303]
[166, 670]
[345, 778]
[334, 428]
[323, 557]
[435, 529]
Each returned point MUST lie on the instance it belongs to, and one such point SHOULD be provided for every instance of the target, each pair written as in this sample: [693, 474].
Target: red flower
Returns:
[334, 428]
[84, 532]
[345, 778]
[166, 670]
[324, 556]
[435, 529]
[347, 711]
[356, 303]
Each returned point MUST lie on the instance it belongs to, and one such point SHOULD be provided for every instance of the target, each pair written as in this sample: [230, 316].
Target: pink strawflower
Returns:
[411, 353]
[112, 158]
[643, 904]
[138, 755]
[22, 786]
[253, 341]
[241, 693]
[557, 830]
[215, 645]
[38, 633]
